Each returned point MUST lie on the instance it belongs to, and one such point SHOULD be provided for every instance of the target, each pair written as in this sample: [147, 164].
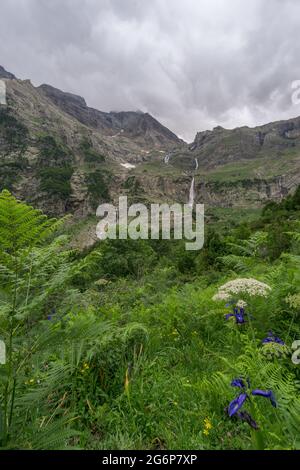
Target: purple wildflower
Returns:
[266, 394]
[239, 315]
[237, 404]
[271, 338]
[238, 383]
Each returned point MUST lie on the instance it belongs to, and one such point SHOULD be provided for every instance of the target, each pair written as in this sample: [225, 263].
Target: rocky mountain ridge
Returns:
[131, 124]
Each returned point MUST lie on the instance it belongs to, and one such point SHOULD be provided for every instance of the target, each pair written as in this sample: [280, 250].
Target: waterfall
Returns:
[167, 158]
[192, 188]
[192, 193]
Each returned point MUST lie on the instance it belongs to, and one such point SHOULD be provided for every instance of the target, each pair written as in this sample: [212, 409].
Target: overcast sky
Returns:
[193, 64]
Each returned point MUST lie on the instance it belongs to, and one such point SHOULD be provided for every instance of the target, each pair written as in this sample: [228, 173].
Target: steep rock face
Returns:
[221, 146]
[244, 193]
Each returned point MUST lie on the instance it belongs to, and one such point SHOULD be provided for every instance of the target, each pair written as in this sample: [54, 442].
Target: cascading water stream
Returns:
[167, 158]
[192, 194]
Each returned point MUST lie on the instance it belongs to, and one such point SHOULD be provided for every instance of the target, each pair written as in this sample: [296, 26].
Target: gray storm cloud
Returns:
[193, 64]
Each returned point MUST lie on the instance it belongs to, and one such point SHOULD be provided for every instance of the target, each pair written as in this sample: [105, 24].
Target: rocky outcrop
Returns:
[221, 146]
[5, 74]
[244, 193]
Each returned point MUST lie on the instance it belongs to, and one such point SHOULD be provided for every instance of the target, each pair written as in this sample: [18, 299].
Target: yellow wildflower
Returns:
[29, 382]
[207, 423]
[207, 426]
[85, 367]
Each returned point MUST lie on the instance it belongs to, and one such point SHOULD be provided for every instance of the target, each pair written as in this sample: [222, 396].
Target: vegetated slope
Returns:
[124, 347]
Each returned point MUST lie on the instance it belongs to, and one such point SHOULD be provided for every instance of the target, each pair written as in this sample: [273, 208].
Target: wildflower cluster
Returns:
[250, 287]
[293, 300]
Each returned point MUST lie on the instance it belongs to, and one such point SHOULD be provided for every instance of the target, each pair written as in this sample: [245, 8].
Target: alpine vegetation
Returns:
[140, 343]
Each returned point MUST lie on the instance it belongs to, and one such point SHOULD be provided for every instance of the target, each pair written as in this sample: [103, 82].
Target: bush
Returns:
[90, 155]
[13, 132]
[55, 170]
[97, 183]
[56, 181]
[52, 152]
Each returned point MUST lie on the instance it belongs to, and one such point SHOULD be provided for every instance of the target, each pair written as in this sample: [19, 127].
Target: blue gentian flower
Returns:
[272, 339]
[266, 394]
[237, 404]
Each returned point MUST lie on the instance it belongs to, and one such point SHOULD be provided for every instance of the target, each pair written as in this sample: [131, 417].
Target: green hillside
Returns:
[122, 346]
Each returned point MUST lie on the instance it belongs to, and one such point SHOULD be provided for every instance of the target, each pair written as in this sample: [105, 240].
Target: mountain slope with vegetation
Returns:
[126, 345]
[64, 157]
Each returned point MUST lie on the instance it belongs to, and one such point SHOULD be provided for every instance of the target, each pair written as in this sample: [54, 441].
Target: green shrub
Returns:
[98, 187]
[13, 132]
[10, 172]
[53, 152]
[133, 185]
[56, 181]
[54, 167]
[90, 155]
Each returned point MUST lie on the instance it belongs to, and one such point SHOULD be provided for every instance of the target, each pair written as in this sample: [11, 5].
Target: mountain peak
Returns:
[58, 96]
[5, 74]
[134, 124]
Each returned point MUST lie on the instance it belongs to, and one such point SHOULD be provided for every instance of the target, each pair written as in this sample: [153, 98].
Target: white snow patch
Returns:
[129, 166]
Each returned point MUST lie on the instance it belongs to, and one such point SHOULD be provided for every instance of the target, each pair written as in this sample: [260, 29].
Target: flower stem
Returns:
[257, 435]
[251, 327]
